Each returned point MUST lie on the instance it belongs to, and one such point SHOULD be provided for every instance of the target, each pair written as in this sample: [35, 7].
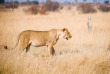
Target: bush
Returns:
[33, 9]
[35, 2]
[51, 6]
[86, 8]
[11, 4]
[104, 8]
[42, 10]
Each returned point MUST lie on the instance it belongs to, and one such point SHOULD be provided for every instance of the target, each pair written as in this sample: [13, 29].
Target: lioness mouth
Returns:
[66, 38]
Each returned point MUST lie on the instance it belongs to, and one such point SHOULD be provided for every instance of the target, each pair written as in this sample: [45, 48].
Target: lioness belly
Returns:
[35, 44]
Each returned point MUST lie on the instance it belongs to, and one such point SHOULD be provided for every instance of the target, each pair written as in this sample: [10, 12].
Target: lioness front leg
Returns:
[51, 50]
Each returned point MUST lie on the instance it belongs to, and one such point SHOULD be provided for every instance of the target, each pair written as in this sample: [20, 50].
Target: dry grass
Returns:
[84, 53]
[86, 8]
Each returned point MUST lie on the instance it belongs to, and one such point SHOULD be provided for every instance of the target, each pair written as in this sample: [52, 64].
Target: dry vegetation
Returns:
[84, 53]
[104, 7]
[87, 8]
[35, 10]
[51, 6]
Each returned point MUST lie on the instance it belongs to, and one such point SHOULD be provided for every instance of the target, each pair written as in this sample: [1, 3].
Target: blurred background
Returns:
[63, 1]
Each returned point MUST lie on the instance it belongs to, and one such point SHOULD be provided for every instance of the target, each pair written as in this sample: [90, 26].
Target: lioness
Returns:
[41, 38]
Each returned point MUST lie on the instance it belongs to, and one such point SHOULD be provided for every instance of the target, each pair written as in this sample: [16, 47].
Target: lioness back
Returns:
[37, 38]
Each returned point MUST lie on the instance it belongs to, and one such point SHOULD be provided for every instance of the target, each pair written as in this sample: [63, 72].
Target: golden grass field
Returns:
[84, 53]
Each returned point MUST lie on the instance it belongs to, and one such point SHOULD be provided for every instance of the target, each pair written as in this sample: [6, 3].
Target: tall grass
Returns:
[84, 53]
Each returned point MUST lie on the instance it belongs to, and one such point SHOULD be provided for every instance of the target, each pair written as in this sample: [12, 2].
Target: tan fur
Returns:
[41, 38]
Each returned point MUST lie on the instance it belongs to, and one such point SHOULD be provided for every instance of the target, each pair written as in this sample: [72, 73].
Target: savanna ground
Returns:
[84, 53]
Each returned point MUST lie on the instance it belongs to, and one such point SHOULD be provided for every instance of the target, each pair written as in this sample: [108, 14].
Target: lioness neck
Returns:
[59, 32]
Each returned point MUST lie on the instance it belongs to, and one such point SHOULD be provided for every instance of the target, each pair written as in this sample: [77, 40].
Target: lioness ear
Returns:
[64, 29]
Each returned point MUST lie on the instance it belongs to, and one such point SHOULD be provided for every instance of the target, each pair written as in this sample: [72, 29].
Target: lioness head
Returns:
[66, 34]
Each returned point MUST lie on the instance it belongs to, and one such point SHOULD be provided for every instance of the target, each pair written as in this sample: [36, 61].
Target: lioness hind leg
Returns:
[23, 46]
[24, 42]
[28, 47]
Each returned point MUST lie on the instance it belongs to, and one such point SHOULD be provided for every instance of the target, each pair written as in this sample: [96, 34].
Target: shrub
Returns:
[104, 7]
[51, 6]
[61, 7]
[42, 10]
[33, 9]
[11, 4]
[86, 8]
[35, 2]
